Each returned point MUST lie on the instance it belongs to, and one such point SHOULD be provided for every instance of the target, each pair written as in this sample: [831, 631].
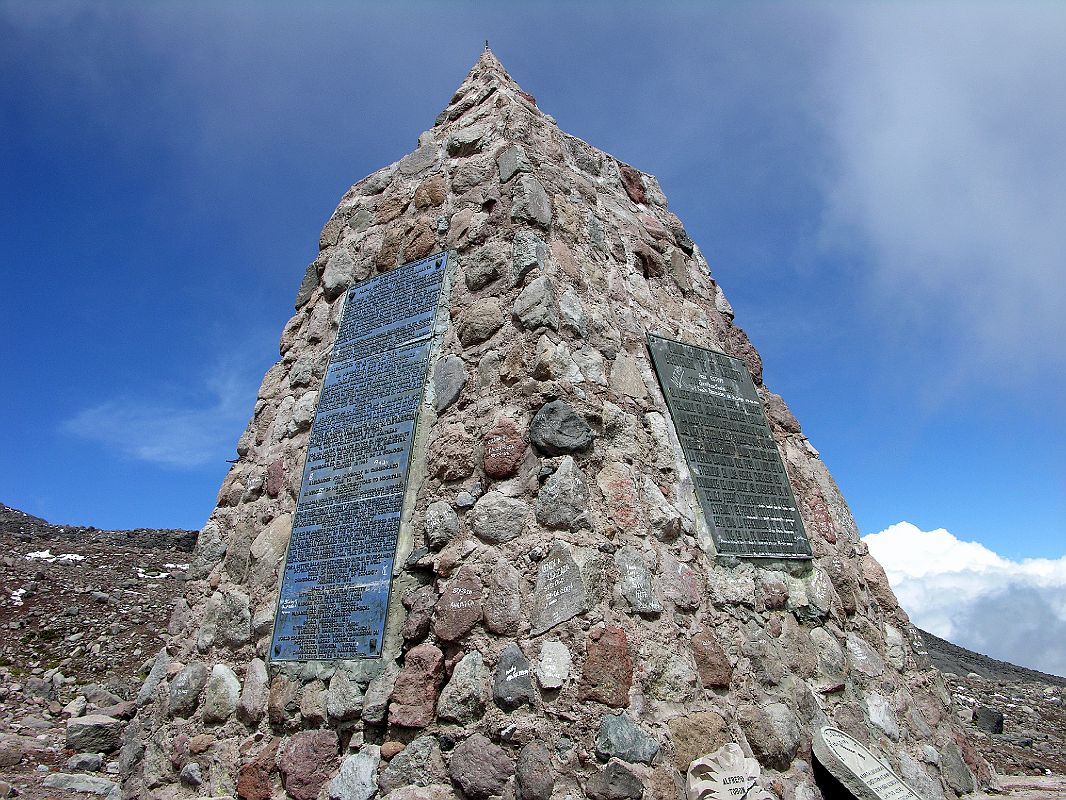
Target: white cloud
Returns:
[970, 595]
[178, 432]
[946, 124]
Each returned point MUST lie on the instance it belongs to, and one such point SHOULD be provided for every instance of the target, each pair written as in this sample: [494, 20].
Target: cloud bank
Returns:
[945, 125]
[966, 593]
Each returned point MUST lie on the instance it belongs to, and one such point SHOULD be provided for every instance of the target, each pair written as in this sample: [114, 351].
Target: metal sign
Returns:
[334, 594]
[736, 468]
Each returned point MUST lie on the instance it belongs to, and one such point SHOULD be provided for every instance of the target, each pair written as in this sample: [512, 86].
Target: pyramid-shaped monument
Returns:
[516, 516]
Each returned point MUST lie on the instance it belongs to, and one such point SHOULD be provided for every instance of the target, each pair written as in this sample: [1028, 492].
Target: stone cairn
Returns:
[560, 624]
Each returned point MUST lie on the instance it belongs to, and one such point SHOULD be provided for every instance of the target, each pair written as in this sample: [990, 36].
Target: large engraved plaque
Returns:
[335, 589]
[736, 469]
[859, 770]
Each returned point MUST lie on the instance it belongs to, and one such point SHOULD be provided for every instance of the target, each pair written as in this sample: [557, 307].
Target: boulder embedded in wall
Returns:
[185, 689]
[773, 732]
[535, 305]
[557, 430]
[480, 321]
[608, 672]
[307, 760]
[512, 682]
[497, 518]
[220, 697]
[503, 447]
[414, 695]
[459, 606]
[564, 498]
[480, 768]
[463, 700]
[560, 591]
[529, 201]
[252, 703]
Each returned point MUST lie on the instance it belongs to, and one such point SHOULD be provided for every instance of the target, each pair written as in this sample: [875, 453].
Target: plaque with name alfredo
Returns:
[736, 469]
[335, 589]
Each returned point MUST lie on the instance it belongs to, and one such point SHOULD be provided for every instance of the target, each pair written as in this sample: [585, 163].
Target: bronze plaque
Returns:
[736, 468]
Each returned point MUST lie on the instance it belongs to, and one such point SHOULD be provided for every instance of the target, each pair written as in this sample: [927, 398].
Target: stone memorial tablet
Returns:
[335, 589]
[725, 774]
[860, 772]
[736, 469]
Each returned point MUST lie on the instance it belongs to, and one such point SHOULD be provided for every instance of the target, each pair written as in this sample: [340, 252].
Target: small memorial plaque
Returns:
[335, 590]
[725, 774]
[860, 772]
[736, 469]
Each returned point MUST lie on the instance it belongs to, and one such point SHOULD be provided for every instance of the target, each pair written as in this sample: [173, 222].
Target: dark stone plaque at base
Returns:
[334, 594]
[736, 469]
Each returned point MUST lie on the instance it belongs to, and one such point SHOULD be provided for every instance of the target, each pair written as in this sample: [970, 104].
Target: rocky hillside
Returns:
[81, 612]
[84, 611]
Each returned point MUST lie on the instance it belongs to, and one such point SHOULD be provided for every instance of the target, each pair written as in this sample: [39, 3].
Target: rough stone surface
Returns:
[480, 321]
[557, 430]
[220, 697]
[535, 305]
[497, 518]
[252, 703]
[608, 670]
[185, 689]
[463, 700]
[564, 498]
[459, 606]
[773, 733]
[504, 610]
[528, 254]
[94, 733]
[511, 161]
[504, 448]
[414, 695]
[418, 764]
[480, 768]
[358, 776]
[553, 668]
[512, 682]
[535, 773]
[306, 762]
[696, 734]
[344, 699]
[712, 663]
[529, 201]
[634, 581]
[560, 591]
[449, 377]
[622, 738]
[614, 782]
[441, 524]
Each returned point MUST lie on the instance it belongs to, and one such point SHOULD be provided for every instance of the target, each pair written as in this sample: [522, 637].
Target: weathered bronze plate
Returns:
[736, 468]
[334, 594]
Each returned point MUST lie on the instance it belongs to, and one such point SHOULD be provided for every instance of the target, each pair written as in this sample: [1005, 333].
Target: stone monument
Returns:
[515, 515]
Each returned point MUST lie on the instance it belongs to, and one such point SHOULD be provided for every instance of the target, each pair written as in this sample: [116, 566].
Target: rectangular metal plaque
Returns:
[736, 468]
[335, 590]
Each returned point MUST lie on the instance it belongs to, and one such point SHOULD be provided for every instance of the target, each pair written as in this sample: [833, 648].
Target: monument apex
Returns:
[515, 515]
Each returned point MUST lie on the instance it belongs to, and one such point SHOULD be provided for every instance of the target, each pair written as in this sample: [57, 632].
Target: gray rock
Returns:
[634, 581]
[344, 699]
[529, 201]
[376, 698]
[466, 141]
[626, 380]
[953, 767]
[185, 689]
[497, 518]
[535, 305]
[357, 778]
[882, 715]
[534, 773]
[155, 675]
[220, 699]
[512, 682]
[560, 591]
[480, 768]
[863, 657]
[83, 783]
[528, 253]
[557, 430]
[988, 719]
[449, 377]
[464, 699]
[665, 520]
[307, 285]
[190, 774]
[418, 764]
[252, 703]
[615, 782]
[564, 498]
[572, 312]
[553, 668]
[503, 613]
[338, 274]
[773, 733]
[86, 762]
[441, 524]
[484, 265]
[419, 161]
[622, 738]
[915, 776]
[94, 733]
[482, 319]
[511, 161]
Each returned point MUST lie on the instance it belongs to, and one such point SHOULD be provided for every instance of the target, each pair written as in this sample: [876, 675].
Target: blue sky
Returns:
[880, 190]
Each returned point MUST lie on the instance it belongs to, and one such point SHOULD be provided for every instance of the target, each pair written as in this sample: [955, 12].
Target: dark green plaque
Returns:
[736, 468]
